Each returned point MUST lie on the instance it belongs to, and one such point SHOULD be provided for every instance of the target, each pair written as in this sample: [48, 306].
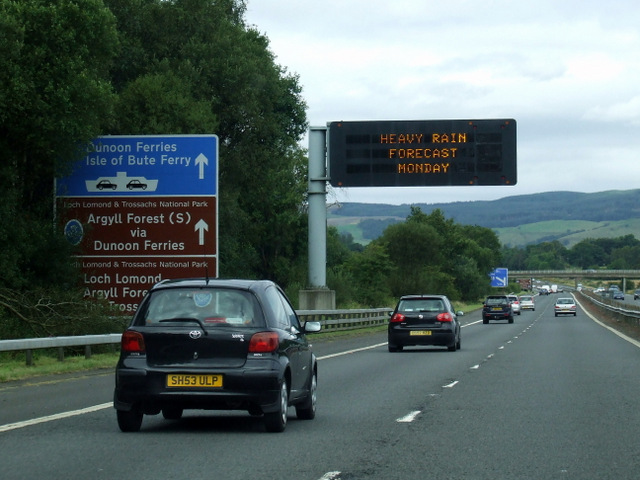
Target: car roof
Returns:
[421, 295]
[244, 284]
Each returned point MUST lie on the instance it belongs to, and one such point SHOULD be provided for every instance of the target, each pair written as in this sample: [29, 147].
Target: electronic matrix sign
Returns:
[422, 153]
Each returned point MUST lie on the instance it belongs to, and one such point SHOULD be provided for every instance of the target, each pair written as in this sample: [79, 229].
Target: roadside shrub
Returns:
[51, 313]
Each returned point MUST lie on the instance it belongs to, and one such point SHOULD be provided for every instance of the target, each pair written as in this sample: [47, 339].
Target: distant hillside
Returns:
[519, 220]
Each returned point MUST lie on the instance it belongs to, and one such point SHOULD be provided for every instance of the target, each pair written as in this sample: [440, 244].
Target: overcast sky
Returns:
[568, 71]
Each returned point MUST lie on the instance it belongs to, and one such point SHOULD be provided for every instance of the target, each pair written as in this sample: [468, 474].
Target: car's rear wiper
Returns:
[186, 320]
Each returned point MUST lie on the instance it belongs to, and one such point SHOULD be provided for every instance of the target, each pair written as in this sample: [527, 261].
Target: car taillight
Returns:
[444, 317]
[132, 342]
[397, 318]
[264, 342]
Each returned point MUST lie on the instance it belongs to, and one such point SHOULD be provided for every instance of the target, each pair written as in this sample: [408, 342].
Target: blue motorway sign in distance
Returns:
[499, 277]
[145, 165]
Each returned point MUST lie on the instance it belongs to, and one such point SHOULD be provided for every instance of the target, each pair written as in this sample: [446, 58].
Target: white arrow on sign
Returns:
[201, 227]
[201, 161]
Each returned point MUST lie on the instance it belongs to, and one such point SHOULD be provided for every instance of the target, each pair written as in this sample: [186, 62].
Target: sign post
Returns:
[142, 209]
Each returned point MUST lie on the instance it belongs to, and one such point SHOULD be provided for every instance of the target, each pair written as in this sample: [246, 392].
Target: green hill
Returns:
[568, 217]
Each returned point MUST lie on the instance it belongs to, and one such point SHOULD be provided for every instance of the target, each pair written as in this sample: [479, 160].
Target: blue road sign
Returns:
[499, 277]
[147, 165]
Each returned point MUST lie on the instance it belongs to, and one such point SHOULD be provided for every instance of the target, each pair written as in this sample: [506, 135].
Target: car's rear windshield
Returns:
[421, 305]
[525, 299]
[496, 300]
[210, 306]
[564, 301]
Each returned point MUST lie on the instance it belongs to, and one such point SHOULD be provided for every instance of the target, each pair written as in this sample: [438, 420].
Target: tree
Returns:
[370, 270]
[55, 95]
[433, 254]
[194, 66]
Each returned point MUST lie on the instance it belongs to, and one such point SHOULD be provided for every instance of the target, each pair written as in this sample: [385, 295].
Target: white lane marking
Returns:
[348, 352]
[57, 416]
[475, 367]
[408, 418]
[330, 476]
[450, 385]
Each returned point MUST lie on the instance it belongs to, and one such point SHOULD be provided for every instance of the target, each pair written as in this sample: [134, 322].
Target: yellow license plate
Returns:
[197, 381]
[420, 332]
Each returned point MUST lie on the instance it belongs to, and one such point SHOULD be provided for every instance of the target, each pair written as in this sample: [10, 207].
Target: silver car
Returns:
[515, 304]
[565, 306]
[527, 302]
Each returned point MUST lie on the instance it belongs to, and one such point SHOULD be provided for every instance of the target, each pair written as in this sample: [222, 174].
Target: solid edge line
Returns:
[620, 334]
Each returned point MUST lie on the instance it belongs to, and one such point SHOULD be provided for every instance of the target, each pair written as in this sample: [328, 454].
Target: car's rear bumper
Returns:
[445, 338]
[497, 316]
[241, 389]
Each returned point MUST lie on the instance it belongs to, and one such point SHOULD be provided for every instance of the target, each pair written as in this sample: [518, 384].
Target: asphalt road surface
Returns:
[543, 398]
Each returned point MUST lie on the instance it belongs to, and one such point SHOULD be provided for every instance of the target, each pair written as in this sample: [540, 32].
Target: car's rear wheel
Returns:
[172, 413]
[129, 421]
[395, 348]
[307, 409]
[510, 319]
[277, 421]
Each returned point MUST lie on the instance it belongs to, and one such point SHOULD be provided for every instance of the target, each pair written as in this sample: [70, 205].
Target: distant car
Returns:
[527, 302]
[497, 307]
[420, 320]
[618, 294]
[136, 184]
[636, 294]
[565, 306]
[543, 291]
[515, 304]
[102, 184]
[214, 344]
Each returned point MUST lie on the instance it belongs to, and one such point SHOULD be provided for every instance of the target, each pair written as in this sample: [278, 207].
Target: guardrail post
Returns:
[60, 354]
[29, 355]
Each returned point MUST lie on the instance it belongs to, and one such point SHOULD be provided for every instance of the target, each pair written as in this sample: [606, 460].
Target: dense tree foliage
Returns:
[193, 66]
[71, 70]
[55, 93]
[424, 254]
[76, 69]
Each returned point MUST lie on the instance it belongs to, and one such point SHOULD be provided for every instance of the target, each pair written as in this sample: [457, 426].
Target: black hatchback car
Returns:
[215, 345]
[424, 320]
[497, 307]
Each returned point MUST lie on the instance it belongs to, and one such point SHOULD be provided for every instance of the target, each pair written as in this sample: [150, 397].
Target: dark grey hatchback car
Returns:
[424, 320]
[215, 345]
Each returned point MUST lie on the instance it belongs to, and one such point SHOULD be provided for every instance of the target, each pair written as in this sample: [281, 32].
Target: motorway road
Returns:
[542, 398]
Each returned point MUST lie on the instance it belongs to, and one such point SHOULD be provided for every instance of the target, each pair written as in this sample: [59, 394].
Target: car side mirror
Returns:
[460, 313]
[312, 327]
